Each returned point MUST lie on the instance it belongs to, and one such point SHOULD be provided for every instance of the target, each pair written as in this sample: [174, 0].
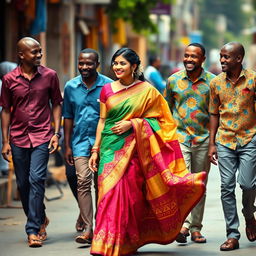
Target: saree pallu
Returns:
[145, 190]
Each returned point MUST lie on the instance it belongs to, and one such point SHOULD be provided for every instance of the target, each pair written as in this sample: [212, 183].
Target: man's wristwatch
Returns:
[58, 134]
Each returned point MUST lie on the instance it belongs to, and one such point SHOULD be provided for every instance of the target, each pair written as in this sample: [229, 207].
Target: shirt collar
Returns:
[203, 75]
[242, 74]
[95, 84]
[18, 71]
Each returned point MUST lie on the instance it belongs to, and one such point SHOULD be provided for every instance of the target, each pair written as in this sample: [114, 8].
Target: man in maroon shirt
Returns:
[27, 92]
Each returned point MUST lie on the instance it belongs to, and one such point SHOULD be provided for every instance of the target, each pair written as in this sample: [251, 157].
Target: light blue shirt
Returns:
[155, 78]
[82, 105]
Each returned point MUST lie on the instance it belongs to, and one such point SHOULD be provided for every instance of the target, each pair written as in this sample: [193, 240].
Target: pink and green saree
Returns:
[145, 190]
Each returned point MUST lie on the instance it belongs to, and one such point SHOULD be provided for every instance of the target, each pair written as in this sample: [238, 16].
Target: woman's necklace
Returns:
[129, 85]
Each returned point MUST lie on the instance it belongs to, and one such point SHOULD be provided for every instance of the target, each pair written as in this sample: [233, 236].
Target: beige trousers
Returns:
[197, 160]
[84, 182]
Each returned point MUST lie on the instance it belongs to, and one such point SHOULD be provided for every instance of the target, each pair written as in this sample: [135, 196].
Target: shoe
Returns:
[85, 238]
[80, 225]
[4, 173]
[197, 237]
[230, 244]
[250, 229]
[182, 236]
[34, 241]
[42, 232]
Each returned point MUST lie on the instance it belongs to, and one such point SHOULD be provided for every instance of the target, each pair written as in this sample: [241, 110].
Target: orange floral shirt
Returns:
[235, 103]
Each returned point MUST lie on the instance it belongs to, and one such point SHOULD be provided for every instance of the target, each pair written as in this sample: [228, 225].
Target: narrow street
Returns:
[61, 231]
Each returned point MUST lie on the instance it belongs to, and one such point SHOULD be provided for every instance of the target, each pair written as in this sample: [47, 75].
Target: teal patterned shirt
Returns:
[189, 102]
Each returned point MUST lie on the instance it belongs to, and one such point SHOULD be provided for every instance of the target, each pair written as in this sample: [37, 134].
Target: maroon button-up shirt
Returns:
[29, 101]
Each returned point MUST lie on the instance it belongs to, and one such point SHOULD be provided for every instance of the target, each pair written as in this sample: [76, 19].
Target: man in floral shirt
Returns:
[233, 140]
[188, 97]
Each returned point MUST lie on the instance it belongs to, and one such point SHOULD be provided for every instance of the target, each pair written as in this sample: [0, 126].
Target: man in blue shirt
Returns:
[153, 75]
[81, 114]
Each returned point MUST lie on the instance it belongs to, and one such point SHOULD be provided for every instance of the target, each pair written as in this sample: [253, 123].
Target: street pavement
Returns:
[61, 230]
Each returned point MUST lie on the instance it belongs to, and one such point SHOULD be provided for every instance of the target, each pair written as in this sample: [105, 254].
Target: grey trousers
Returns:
[243, 160]
[84, 182]
[197, 160]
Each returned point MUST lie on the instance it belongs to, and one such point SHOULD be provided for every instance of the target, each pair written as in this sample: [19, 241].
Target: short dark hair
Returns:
[199, 46]
[152, 59]
[89, 50]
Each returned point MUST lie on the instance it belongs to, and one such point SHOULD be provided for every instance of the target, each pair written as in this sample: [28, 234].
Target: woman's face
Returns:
[122, 68]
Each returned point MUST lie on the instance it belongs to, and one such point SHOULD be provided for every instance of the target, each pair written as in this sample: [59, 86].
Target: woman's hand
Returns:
[121, 127]
[93, 162]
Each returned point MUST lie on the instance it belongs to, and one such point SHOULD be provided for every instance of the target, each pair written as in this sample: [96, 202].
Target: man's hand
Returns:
[69, 156]
[212, 153]
[6, 151]
[54, 143]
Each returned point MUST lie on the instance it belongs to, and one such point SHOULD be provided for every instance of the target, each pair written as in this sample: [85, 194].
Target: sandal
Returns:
[42, 232]
[182, 236]
[85, 238]
[197, 237]
[34, 241]
[80, 225]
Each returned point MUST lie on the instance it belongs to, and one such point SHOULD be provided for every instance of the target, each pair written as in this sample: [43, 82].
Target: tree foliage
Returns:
[254, 4]
[235, 19]
[136, 12]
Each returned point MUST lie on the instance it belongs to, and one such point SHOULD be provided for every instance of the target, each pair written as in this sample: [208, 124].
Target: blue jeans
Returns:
[243, 160]
[31, 169]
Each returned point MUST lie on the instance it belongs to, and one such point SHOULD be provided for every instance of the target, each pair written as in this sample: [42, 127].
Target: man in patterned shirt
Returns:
[188, 97]
[233, 140]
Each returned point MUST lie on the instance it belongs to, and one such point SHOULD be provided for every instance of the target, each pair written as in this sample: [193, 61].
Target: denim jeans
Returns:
[243, 160]
[31, 169]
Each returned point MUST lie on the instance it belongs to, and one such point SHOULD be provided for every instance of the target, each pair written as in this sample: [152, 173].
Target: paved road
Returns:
[63, 214]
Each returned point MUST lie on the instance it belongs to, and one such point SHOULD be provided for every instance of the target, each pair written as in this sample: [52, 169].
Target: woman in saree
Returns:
[145, 190]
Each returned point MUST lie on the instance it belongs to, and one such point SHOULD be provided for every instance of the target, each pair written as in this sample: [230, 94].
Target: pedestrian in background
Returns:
[5, 67]
[188, 97]
[145, 190]
[26, 95]
[233, 140]
[81, 110]
[153, 75]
